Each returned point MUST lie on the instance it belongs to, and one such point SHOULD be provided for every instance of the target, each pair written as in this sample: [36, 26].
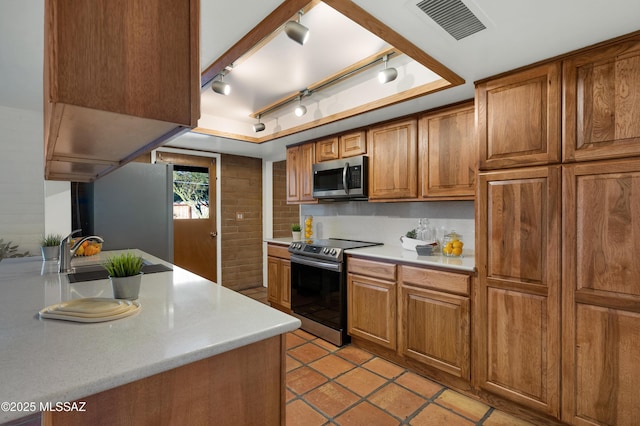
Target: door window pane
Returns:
[190, 192]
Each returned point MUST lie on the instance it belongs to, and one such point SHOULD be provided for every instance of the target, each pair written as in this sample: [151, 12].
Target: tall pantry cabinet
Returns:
[601, 236]
[517, 323]
[558, 220]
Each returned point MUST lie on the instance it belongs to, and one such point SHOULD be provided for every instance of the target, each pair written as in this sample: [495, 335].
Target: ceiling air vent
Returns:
[453, 16]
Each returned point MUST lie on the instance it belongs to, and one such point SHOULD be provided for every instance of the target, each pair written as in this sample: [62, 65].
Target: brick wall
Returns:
[283, 214]
[241, 244]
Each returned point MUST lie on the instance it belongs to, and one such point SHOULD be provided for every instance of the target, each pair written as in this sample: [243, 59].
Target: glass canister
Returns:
[452, 244]
[308, 227]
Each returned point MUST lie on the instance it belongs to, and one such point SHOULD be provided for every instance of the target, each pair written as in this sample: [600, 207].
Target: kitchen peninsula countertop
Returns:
[184, 318]
[396, 253]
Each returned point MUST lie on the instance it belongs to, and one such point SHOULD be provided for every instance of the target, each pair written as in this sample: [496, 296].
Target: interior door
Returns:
[194, 213]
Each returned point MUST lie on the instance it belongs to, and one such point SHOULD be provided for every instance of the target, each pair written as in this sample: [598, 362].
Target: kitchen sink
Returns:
[95, 271]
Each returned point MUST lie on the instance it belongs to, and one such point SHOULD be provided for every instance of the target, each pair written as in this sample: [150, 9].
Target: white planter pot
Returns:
[50, 252]
[297, 235]
[126, 287]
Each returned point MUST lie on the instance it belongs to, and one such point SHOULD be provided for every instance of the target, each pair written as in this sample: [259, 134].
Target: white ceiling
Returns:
[518, 33]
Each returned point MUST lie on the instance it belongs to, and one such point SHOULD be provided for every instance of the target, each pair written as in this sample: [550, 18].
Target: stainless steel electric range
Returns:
[319, 286]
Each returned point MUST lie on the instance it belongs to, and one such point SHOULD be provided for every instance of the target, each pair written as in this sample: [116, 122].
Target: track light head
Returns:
[258, 127]
[296, 31]
[387, 74]
[221, 87]
[301, 109]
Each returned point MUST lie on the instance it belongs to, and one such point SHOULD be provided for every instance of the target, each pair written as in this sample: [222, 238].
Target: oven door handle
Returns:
[330, 266]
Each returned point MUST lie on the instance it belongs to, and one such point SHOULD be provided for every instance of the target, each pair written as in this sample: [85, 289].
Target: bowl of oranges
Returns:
[452, 245]
[88, 248]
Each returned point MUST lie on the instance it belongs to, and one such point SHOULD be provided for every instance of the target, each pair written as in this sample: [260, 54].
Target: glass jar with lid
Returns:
[452, 244]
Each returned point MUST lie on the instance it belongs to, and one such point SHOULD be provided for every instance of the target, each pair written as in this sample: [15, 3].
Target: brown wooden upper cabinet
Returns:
[343, 146]
[602, 102]
[300, 173]
[393, 160]
[519, 118]
[327, 150]
[448, 153]
[119, 79]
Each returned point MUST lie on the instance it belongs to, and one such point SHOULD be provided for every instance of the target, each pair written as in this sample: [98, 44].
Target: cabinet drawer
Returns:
[278, 251]
[427, 278]
[371, 268]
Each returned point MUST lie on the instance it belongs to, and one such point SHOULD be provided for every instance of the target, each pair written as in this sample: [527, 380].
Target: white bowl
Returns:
[411, 243]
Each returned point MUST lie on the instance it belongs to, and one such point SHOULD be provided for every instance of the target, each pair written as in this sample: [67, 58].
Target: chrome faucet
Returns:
[67, 252]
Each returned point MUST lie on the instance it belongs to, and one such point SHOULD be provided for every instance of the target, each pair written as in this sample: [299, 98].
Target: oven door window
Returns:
[318, 294]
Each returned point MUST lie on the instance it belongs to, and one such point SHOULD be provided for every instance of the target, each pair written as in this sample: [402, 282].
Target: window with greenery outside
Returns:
[190, 192]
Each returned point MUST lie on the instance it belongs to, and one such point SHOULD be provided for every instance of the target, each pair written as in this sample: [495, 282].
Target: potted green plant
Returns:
[125, 274]
[50, 246]
[295, 231]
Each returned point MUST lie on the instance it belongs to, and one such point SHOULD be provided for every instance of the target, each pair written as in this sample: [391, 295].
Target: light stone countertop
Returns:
[184, 318]
[396, 253]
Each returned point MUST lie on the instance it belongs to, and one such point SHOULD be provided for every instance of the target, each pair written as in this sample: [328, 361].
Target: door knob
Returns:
[213, 234]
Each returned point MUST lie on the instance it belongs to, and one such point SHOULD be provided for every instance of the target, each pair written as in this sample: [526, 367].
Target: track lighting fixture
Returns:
[387, 74]
[258, 127]
[296, 31]
[300, 109]
[220, 87]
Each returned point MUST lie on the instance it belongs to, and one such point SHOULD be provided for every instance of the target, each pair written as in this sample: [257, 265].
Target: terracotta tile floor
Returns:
[328, 385]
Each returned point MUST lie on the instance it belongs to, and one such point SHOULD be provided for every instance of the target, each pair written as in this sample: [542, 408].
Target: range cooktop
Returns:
[328, 249]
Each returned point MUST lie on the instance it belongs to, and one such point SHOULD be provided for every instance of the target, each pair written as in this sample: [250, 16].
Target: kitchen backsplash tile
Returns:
[386, 222]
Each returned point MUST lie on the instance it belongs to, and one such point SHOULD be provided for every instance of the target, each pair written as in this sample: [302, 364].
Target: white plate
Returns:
[93, 306]
[63, 311]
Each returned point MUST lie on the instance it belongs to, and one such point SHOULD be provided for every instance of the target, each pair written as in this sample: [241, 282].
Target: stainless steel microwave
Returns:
[346, 178]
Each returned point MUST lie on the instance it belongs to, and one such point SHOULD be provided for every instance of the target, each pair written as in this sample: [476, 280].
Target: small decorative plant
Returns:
[295, 227]
[51, 240]
[124, 265]
[412, 234]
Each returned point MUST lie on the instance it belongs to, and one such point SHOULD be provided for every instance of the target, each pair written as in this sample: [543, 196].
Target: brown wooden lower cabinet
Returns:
[517, 303]
[601, 293]
[241, 387]
[279, 277]
[417, 315]
[434, 326]
[371, 301]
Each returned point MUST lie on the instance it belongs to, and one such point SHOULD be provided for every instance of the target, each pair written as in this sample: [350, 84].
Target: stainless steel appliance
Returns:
[341, 179]
[319, 286]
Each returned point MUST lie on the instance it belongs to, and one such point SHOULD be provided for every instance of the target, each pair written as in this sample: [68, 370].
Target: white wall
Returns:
[29, 206]
[21, 178]
[386, 222]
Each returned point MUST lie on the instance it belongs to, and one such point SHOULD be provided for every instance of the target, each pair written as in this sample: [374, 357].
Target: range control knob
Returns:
[333, 252]
[325, 250]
